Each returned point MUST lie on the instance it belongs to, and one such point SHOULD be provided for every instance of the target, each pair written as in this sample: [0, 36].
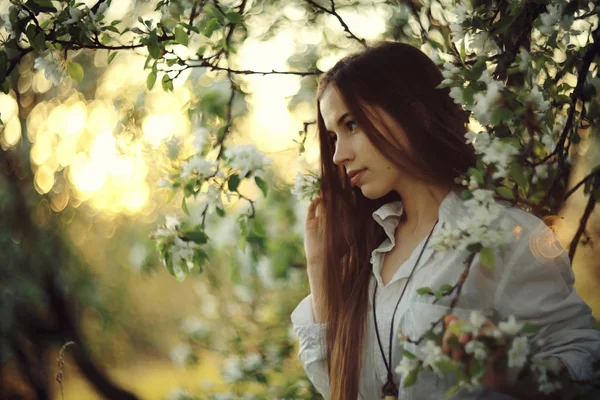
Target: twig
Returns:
[582, 223]
[589, 56]
[458, 287]
[339, 18]
[61, 365]
[578, 185]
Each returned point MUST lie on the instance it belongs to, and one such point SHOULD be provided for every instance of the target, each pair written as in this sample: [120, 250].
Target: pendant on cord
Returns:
[390, 391]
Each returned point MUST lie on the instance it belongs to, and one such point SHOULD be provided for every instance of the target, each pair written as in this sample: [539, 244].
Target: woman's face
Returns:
[354, 151]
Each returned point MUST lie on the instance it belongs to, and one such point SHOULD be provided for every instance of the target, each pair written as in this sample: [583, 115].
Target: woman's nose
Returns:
[343, 152]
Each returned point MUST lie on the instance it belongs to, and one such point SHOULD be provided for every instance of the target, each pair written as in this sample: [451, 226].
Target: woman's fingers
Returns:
[449, 320]
[312, 208]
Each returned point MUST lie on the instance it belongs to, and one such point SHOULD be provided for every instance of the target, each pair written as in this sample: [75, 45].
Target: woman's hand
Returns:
[492, 378]
[314, 247]
[314, 237]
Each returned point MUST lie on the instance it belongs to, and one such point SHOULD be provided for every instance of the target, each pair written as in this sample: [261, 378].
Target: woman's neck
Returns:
[421, 205]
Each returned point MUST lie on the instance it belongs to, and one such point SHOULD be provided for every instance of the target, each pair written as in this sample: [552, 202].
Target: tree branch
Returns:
[582, 224]
[339, 18]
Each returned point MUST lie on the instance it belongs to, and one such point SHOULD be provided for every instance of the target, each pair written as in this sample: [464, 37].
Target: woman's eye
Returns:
[351, 125]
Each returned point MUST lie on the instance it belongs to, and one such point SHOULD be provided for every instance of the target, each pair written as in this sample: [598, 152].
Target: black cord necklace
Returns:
[390, 391]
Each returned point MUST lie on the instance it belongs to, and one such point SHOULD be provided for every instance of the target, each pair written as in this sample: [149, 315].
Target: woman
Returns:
[391, 147]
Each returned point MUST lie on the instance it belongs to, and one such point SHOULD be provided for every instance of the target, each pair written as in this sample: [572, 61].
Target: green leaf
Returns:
[501, 114]
[41, 6]
[112, 29]
[487, 257]
[261, 184]
[75, 71]
[446, 366]
[457, 327]
[411, 378]
[196, 236]
[150, 80]
[258, 228]
[184, 206]
[234, 182]
[153, 47]
[502, 26]
[200, 258]
[112, 57]
[181, 37]
[36, 37]
[3, 65]
[445, 288]
[220, 212]
[505, 192]
[516, 171]
[529, 328]
[234, 17]
[450, 392]
[211, 26]
[408, 354]
[477, 174]
[424, 290]
[167, 83]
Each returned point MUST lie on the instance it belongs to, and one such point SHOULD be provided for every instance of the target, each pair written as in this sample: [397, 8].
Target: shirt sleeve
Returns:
[540, 290]
[312, 352]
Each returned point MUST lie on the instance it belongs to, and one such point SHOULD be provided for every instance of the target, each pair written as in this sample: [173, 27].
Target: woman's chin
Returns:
[369, 193]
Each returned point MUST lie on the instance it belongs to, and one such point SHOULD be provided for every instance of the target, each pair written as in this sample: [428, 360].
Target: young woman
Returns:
[391, 146]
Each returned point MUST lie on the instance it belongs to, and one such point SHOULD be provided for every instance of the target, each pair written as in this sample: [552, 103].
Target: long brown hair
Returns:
[400, 80]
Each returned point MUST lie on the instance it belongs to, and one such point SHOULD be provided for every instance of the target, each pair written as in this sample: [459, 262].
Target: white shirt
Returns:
[534, 289]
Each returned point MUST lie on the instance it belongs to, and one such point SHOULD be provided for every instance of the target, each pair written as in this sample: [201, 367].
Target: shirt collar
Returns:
[391, 212]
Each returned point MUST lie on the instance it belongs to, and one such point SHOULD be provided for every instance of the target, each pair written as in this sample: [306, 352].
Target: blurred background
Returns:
[75, 248]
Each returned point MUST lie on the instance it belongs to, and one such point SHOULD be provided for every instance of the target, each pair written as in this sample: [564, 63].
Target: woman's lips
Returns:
[356, 178]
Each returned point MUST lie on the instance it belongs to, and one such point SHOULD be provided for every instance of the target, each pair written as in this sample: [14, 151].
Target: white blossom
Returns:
[207, 201]
[306, 186]
[232, 369]
[182, 254]
[246, 158]
[461, 12]
[457, 94]
[482, 42]
[54, 71]
[477, 320]
[200, 138]
[180, 354]
[179, 394]
[193, 326]
[449, 72]
[5, 23]
[500, 154]
[252, 361]
[169, 230]
[485, 103]
[511, 326]
[406, 366]
[541, 172]
[457, 31]
[172, 223]
[432, 353]
[76, 15]
[524, 60]
[476, 348]
[543, 366]
[548, 142]
[198, 167]
[519, 350]
[163, 183]
[550, 18]
[536, 97]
